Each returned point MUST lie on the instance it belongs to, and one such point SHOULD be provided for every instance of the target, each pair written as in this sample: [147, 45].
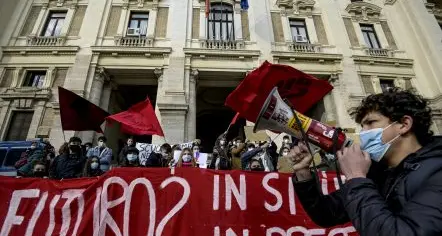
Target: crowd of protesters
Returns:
[76, 159]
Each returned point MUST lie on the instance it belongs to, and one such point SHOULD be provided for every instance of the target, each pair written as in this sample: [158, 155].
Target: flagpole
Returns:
[64, 138]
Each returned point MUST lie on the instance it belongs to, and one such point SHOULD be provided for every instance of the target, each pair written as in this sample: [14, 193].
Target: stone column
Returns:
[159, 74]
[122, 24]
[286, 27]
[40, 20]
[152, 22]
[97, 86]
[3, 112]
[36, 118]
[203, 22]
[191, 121]
[68, 21]
[237, 22]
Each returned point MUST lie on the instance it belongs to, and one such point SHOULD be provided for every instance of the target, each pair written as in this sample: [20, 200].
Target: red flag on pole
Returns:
[235, 118]
[140, 119]
[207, 8]
[301, 89]
[79, 114]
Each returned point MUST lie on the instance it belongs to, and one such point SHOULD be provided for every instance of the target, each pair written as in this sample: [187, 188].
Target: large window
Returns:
[220, 25]
[19, 126]
[299, 31]
[138, 24]
[54, 24]
[370, 37]
[35, 79]
[386, 84]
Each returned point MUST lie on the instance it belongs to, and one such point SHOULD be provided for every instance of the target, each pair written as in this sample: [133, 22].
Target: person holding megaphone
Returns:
[393, 177]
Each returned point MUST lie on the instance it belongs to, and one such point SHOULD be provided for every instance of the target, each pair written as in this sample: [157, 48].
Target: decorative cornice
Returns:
[364, 11]
[240, 54]
[158, 73]
[194, 73]
[26, 93]
[313, 57]
[128, 51]
[434, 9]
[389, 2]
[297, 6]
[40, 50]
[396, 62]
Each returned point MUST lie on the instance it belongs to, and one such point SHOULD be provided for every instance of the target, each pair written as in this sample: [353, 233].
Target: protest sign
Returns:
[152, 201]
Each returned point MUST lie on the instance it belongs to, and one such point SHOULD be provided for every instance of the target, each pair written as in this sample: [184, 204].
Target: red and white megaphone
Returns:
[278, 116]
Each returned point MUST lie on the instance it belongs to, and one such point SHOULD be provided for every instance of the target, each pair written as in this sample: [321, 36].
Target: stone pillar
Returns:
[3, 112]
[237, 22]
[342, 117]
[40, 20]
[191, 121]
[97, 86]
[36, 118]
[68, 21]
[159, 74]
[288, 37]
[152, 22]
[311, 30]
[203, 22]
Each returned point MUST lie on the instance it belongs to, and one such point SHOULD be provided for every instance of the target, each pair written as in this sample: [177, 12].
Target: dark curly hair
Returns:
[395, 104]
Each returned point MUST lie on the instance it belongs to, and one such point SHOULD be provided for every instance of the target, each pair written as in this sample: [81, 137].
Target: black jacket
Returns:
[67, 166]
[406, 200]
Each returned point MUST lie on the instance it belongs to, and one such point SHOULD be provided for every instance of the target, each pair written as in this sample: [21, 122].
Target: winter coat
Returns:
[67, 166]
[104, 156]
[236, 156]
[264, 157]
[405, 200]
[123, 153]
[32, 157]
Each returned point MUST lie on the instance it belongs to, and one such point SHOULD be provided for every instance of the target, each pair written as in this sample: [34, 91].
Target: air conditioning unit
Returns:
[133, 32]
[300, 39]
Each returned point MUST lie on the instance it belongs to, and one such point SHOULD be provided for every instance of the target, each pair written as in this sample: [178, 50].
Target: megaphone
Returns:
[278, 116]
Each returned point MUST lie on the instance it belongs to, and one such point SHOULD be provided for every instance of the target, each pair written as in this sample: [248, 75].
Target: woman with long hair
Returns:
[186, 159]
[92, 167]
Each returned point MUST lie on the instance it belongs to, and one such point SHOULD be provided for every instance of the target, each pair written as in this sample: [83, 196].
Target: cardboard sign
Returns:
[255, 137]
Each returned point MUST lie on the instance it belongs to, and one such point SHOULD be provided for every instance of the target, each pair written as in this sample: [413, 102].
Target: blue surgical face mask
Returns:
[371, 142]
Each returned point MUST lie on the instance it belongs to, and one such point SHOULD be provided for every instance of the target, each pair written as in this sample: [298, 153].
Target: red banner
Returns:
[132, 201]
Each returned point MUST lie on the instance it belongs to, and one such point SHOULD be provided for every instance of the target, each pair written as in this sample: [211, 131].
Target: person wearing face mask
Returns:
[286, 140]
[186, 159]
[255, 165]
[39, 170]
[285, 164]
[237, 150]
[392, 177]
[130, 142]
[69, 165]
[25, 164]
[92, 168]
[103, 153]
[132, 159]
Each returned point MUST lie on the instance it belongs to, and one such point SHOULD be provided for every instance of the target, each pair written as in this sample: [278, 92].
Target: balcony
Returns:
[222, 44]
[378, 52]
[304, 47]
[134, 42]
[45, 41]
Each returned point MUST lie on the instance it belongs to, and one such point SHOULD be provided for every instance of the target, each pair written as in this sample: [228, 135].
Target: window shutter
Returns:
[320, 30]
[114, 20]
[368, 85]
[77, 21]
[7, 78]
[277, 27]
[388, 35]
[30, 21]
[351, 32]
[161, 24]
[245, 25]
[60, 76]
[196, 23]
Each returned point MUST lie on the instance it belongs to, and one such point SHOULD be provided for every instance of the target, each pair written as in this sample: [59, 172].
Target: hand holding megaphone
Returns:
[300, 157]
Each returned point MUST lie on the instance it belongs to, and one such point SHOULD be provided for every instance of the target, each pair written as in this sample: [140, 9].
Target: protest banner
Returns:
[152, 201]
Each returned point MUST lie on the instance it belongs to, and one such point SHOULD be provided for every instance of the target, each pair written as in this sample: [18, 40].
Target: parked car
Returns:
[10, 153]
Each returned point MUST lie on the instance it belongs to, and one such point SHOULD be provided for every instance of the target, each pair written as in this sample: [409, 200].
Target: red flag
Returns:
[140, 119]
[302, 90]
[207, 8]
[79, 114]
[235, 118]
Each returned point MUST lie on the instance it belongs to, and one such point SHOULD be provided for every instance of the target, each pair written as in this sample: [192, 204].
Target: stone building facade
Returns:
[117, 52]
